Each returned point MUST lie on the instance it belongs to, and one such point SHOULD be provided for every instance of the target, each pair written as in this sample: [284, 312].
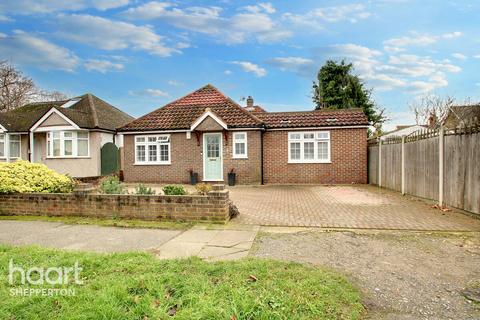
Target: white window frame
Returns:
[235, 155]
[161, 139]
[74, 139]
[19, 146]
[317, 137]
[3, 139]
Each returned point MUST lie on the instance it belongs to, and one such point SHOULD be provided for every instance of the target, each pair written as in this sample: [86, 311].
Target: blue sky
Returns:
[139, 55]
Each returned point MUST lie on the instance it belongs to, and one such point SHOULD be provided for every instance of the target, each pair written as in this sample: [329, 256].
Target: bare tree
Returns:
[17, 89]
[431, 109]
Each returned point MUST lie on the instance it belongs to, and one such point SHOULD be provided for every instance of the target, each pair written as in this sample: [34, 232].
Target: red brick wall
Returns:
[214, 208]
[187, 154]
[348, 159]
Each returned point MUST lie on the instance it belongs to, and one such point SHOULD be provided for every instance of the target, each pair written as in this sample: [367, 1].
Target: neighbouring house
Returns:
[402, 131]
[462, 116]
[210, 134]
[67, 135]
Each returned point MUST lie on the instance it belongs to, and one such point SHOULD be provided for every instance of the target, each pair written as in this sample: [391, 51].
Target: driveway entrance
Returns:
[358, 206]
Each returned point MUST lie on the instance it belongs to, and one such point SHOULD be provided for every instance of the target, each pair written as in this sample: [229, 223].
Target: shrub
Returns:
[172, 190]
[142, 189]
[203, 188]
[26, 177]
[112, 185]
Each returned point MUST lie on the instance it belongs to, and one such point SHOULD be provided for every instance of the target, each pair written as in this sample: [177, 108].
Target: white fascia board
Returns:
[48, 114]
[213, 116]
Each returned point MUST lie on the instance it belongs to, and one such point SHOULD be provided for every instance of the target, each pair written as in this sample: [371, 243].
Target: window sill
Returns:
[60, 158]
[307, 162]
[152, 163]
[240, 157]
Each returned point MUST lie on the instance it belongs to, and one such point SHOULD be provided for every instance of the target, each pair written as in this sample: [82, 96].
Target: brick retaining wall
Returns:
[215, 207]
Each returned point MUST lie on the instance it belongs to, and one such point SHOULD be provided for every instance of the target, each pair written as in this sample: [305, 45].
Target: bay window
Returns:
[240, 145]
[2, 145]
[309, 147]
[14, 146]
[68, 144]
[152, 149]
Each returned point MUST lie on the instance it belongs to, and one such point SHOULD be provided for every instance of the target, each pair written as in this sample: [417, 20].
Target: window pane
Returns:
[68, 147]
[164, 156]
[56, 135]
[308, 136]
[152, 139]
[56, 147]
[323, 150]
[295, 150]
[2, 149]
[308, 150]
[295, 136]
[141, 153]
[239, 136]
[14, 149]
[82, 135]
[152, 153]
[68, 134]
[213, 147]
[140, 139]
[82, 146]
[322, 135]
[240, 148]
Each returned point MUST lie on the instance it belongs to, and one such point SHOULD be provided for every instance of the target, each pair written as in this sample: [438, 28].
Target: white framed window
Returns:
[2, 145]
[309, 147]
[68, 144]
[152, 149]
[15, 146]
[240, 145]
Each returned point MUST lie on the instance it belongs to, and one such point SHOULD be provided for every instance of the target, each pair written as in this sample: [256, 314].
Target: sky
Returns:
[139, 55]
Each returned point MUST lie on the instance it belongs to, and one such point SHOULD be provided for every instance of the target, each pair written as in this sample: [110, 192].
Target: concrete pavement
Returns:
[208, 242]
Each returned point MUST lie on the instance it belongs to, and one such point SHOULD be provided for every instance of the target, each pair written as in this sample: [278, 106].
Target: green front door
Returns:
[212, 157]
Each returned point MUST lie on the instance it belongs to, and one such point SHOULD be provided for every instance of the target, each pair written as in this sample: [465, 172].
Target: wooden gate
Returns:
[110, 159]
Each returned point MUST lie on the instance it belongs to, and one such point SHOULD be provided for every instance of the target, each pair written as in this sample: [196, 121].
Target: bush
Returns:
[203, 188]
[26, 177]
[172, 190]
[143, 190]
[112, 185]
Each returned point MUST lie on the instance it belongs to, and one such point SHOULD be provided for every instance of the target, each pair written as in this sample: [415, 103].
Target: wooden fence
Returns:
[442, 165]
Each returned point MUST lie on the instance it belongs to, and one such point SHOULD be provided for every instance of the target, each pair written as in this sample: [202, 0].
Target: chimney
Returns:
[432, 120]
[249, 102]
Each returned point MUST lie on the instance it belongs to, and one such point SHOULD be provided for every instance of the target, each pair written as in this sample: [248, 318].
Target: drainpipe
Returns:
[30, 142]
[7, 146]
[262, 155]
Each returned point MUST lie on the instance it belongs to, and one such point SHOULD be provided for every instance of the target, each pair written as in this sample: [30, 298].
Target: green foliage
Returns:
[112, 185]
[203, 188]
[144, 190]
[26, 177]
[338, 88]
[173, 190]
[140, 286]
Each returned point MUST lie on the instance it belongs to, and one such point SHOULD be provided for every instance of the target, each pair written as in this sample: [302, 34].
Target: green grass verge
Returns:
[139, 286]
[122, 223]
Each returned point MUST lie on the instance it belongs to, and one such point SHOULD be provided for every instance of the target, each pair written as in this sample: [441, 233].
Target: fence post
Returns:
[379, 162]
[441, 155]
[403, 165]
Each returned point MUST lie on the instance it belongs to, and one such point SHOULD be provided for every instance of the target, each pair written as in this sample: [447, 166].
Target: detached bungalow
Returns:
[67, 136]
[208, 133]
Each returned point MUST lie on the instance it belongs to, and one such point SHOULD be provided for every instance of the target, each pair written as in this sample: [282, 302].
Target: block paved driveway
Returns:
[356, 206]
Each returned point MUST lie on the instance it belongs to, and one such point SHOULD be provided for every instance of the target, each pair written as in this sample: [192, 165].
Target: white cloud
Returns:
[478, 84]
[26, 7]
[227, 72]
[175, 83]
[111, 35]
[102, 66]
[251, 22]
[25, 48]
[411, 73]
[318, 17]
[459, 56]
[251, 67]
[4, 18]
[156, 93]
[477, 56]
[298, 65]
[416, 39]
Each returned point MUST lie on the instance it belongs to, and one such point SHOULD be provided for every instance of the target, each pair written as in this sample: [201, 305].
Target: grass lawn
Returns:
[118, 222]
[139, 286]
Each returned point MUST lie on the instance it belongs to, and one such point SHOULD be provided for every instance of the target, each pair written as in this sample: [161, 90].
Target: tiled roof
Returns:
[182, 113]
[318, 118]
[89, 112]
